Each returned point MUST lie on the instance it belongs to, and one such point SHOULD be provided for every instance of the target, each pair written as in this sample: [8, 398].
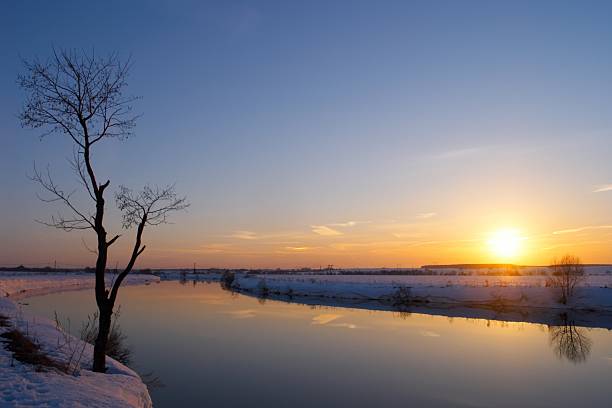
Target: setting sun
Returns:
[505, 244]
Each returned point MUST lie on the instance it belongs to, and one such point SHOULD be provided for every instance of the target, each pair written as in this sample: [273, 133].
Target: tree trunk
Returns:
[104, 324]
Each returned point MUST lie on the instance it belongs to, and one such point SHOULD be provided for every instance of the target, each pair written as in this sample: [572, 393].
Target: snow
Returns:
[22, 385]
[514, 298]
[435, 280]
[23, 284]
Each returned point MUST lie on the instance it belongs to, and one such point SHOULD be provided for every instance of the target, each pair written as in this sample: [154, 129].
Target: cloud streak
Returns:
[325, 231]
[244, 235]
[325, 318]
[603, 188]
[452, 154]
[424, 216]
[348, 223]
[580, 229]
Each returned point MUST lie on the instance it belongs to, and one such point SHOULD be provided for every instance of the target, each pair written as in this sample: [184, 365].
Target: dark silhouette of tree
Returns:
[82, 96]
[567, 274]
[569, 341]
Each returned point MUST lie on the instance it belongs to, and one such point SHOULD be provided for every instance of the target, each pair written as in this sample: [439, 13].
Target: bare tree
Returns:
[81, 95]
[567, 274]
[569, 341]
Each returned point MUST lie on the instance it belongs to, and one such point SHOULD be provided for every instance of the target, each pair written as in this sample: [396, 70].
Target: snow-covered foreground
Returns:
[23, 385]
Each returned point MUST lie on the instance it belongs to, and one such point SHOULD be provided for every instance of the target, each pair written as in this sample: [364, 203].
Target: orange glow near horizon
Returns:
[409, 242]
[506, 244]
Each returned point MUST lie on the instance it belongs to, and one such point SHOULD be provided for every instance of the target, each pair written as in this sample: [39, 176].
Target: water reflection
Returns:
[222, 340]
[569, 341]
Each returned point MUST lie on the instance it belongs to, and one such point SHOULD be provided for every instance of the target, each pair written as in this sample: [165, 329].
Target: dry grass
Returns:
[26, 351]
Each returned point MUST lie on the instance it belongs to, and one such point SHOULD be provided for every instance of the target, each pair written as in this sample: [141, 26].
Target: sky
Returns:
[304, 134]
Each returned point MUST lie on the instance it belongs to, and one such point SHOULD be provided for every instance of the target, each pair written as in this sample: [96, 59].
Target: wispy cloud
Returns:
[203, 249]
[457, 153]
[244, 235]
[428, 333]
[348, 223]
[404, 235]
[242, 314]
[330, 230]
[344, 224]
[325, 230]
[426, 215]
[574, 244]
[602, 188]
[325, 318]
[297, 249]
[393, 245]
[215, 248]
[346, 325]
[580, 229]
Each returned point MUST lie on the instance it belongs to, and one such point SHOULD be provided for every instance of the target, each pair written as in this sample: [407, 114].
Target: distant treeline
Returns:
[472, 266]
[440, 270]
[47, 269]
[51, 269]
[495, 266]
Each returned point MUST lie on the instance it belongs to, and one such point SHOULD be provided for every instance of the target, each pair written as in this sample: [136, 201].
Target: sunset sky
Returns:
[347, 133]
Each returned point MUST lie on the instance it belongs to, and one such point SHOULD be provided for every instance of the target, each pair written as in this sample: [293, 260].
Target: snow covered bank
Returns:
[18, 285]
[505, 298]
[23, 385]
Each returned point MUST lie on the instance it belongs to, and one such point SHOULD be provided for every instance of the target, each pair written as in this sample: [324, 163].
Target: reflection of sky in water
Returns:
[429, 333]
[325, 318]
[213, 348]
[242, 314]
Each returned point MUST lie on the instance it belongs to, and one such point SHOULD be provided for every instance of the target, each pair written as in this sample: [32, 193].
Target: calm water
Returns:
[213, 348]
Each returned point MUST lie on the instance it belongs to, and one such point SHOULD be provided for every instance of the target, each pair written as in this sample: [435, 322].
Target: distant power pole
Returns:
[55, 264]
[194, 267]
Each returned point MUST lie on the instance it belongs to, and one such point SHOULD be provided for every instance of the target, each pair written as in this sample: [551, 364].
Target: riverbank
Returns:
[526, 299]
[24, 384]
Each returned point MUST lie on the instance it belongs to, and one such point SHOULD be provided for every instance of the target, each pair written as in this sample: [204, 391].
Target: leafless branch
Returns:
[567, 275]
[81, 95]
[74, 88]
[78, 166]
[93, 251]
[151, 205]
[56, 194]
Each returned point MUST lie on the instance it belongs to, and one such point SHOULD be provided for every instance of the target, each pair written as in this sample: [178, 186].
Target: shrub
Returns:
[227, 280]
[27, 351]
[567, 274]
[401, 296]
[262, 288]
[116, 347]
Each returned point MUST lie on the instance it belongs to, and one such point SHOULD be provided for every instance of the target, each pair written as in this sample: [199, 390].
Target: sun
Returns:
[505, 244]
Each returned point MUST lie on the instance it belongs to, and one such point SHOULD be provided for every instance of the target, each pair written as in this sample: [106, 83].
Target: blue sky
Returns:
[276, 118]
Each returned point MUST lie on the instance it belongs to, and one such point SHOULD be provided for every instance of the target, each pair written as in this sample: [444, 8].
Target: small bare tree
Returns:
[566, 274]
[569, 341]
[81, 96]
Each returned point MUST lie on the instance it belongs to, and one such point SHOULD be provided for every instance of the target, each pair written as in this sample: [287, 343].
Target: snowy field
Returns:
[474, 291]
[437, 280]
[22, 385]
[23, 284]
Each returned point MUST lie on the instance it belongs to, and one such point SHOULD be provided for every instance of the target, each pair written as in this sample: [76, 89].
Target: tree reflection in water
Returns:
[569, 342]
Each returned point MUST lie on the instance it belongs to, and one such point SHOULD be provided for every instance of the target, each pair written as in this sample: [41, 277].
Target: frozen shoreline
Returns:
[23, 385]
[508, 298]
